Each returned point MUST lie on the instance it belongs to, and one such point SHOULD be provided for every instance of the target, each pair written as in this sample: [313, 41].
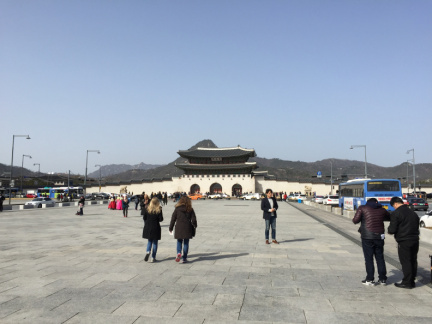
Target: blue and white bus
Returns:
[56, 192]
[354, 193]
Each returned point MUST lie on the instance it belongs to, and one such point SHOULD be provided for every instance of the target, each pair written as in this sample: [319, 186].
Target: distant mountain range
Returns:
[111, 169]
[280, 169]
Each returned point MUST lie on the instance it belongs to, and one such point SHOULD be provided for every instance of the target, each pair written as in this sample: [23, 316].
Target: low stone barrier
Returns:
[61, 204]
[426, 235]
[65, 204]
[337, 211]
[349, 214]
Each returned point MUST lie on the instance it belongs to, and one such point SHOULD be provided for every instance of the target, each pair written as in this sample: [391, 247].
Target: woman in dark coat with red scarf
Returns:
[185, 222]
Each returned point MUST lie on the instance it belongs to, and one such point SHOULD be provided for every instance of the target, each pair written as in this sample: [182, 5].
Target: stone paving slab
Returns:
[56, 267]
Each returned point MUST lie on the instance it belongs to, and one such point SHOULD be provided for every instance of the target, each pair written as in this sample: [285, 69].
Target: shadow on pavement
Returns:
[297, 240]
[214, 256]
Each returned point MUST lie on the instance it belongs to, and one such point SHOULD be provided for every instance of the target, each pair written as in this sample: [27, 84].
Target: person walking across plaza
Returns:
[372, 217]
[269, 206]
[2, 199]
[136, 200]
[404, 224]
[165, 198]
[185, 222]
[125, 206]
[81, 206]
[152, 229]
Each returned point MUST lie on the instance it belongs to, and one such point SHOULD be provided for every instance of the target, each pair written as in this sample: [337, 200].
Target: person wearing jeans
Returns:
[185, 222]
[372, 217]
[152, 229]
[81, 205]
[375, 248]
[270, 222]
[182, 244]
[269, 206]
[150, 244]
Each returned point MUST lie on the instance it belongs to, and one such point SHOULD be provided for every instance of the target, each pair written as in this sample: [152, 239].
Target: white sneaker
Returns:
[368, 282]
[382, 282]
[153, 260]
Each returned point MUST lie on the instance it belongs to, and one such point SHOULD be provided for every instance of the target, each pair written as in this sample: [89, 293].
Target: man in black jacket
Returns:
[372, 217]
[404, 224]
[269, 206]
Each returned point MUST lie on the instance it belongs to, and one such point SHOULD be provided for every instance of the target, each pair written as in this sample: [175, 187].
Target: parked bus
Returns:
[76, 192]
[43, 192]
[55, 192]
[354, 193]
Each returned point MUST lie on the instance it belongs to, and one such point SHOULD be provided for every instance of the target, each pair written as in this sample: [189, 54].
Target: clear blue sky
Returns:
[139, 80]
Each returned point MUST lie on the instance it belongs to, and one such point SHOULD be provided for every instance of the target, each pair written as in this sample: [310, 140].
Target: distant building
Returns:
[229, 164]
[217, 170]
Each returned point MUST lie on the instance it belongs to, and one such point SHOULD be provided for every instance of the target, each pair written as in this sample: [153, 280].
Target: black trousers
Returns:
[407, 251]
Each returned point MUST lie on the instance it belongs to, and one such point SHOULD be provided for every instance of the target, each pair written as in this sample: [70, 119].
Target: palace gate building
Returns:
[217, 170]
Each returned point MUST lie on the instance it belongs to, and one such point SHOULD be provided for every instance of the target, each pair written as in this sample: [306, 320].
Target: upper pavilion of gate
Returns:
[226, 160]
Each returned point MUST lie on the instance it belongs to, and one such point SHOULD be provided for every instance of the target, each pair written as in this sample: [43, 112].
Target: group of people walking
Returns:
[183, 223]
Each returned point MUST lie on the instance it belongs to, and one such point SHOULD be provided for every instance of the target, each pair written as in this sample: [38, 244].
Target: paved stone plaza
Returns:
[56, 267]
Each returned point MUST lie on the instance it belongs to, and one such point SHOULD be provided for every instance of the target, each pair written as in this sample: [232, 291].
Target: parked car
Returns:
[300, 197]
[90, 196]
[214, 196]
[196, 196]
[417, 204]
[331, 200]
[319, 199]
[429, 195]
[426, 220]
[29, 195]
[251, 196]
[38, 202]
[102, 195]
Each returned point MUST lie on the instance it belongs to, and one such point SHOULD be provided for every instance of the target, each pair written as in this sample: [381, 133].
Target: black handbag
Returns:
[193, 230]
[193, 227]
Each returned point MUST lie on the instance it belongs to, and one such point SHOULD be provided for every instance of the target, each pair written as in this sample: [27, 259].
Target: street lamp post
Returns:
[408, 163]
[331, 178]
[38, 164]
[22, 168]
[85, 177]
[11, 167]
[413, 163]
[98, 165]
[355, 146]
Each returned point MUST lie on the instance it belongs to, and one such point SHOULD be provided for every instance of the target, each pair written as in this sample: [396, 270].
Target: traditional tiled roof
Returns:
[203, 152]
[234, 166]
